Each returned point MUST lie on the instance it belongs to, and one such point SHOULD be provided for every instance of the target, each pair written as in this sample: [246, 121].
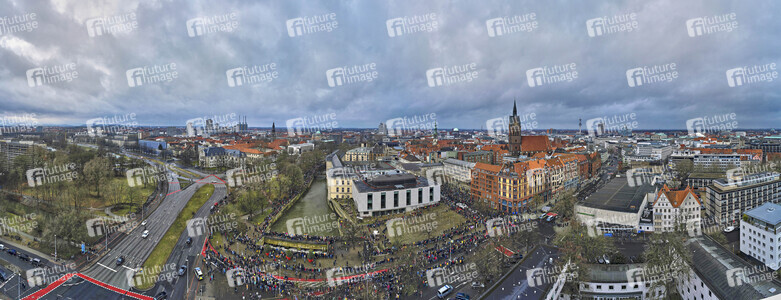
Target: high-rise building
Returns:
[190, 129]
[514, 132]
[382, 129]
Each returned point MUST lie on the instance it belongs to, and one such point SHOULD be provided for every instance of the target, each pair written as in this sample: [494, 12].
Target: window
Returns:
[396, 199]
[382, 200]
[420, 195]
[409, 197]
[369, 201]
[430, 194]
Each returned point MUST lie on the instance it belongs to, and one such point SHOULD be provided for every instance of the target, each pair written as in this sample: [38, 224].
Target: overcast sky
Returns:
[401, 88]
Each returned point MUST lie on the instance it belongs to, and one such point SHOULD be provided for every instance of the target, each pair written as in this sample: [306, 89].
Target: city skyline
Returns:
[126, 62]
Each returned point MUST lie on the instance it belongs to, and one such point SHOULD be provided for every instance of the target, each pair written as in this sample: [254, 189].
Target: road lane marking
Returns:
[112, 270]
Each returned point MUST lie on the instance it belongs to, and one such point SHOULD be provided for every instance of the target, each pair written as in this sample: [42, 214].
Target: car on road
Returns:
[444, 291]
[182, 270]
[24, 257]
[11, 251]
[120, 260]
[145, 234]
[161, 296]
[462, 296]
[143, 223]
[2, 247]
[543, 216]
[477, 285]
[189, 241]
[729, 229]
[198, 273]
[35, 262]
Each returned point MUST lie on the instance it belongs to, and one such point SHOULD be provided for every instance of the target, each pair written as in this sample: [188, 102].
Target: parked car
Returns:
[11, 251]
[24, 257]
[477, 285]
[607, 260]
[35, 261]
[2, 247]
[729, 229]
[462, 296]
[198, 273]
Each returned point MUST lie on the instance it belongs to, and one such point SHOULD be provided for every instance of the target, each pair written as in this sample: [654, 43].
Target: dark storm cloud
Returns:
[401, 89]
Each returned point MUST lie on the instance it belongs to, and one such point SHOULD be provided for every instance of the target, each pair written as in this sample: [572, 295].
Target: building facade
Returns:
[760, 234]
[728, 199]
[676, 208]
[393, 193]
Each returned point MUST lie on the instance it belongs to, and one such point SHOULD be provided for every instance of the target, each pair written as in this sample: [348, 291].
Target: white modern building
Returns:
[297, 149]
[458, 170]
[760, 234]
[655, 150]
[393, 193]
[676, 208]
[728, 198]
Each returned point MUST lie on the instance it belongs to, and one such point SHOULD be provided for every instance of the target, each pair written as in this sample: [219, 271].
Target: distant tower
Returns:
[514, 132]
[580, 124]
[273, 131]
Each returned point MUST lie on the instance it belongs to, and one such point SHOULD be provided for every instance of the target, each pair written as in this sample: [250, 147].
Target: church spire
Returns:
[515, 108]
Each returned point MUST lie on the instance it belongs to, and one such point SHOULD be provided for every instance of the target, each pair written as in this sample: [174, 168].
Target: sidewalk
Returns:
[48, 257]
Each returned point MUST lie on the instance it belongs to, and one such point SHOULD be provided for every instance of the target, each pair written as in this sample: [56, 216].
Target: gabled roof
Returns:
[676, 198]
[488, 167]
[535, 143]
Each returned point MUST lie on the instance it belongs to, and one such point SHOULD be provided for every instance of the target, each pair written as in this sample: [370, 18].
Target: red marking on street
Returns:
[174, 192]
[505, 251]
[212, 175]
[40, 294]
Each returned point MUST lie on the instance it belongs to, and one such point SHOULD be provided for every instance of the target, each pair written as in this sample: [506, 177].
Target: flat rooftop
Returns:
[383, 183]
[769, 213]
[617, 195]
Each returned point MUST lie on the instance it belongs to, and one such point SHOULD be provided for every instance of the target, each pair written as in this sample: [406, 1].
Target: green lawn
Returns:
[445, 219]
[163, 249]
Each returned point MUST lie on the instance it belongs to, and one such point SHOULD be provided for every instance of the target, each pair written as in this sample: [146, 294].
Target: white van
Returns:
[444, 291]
